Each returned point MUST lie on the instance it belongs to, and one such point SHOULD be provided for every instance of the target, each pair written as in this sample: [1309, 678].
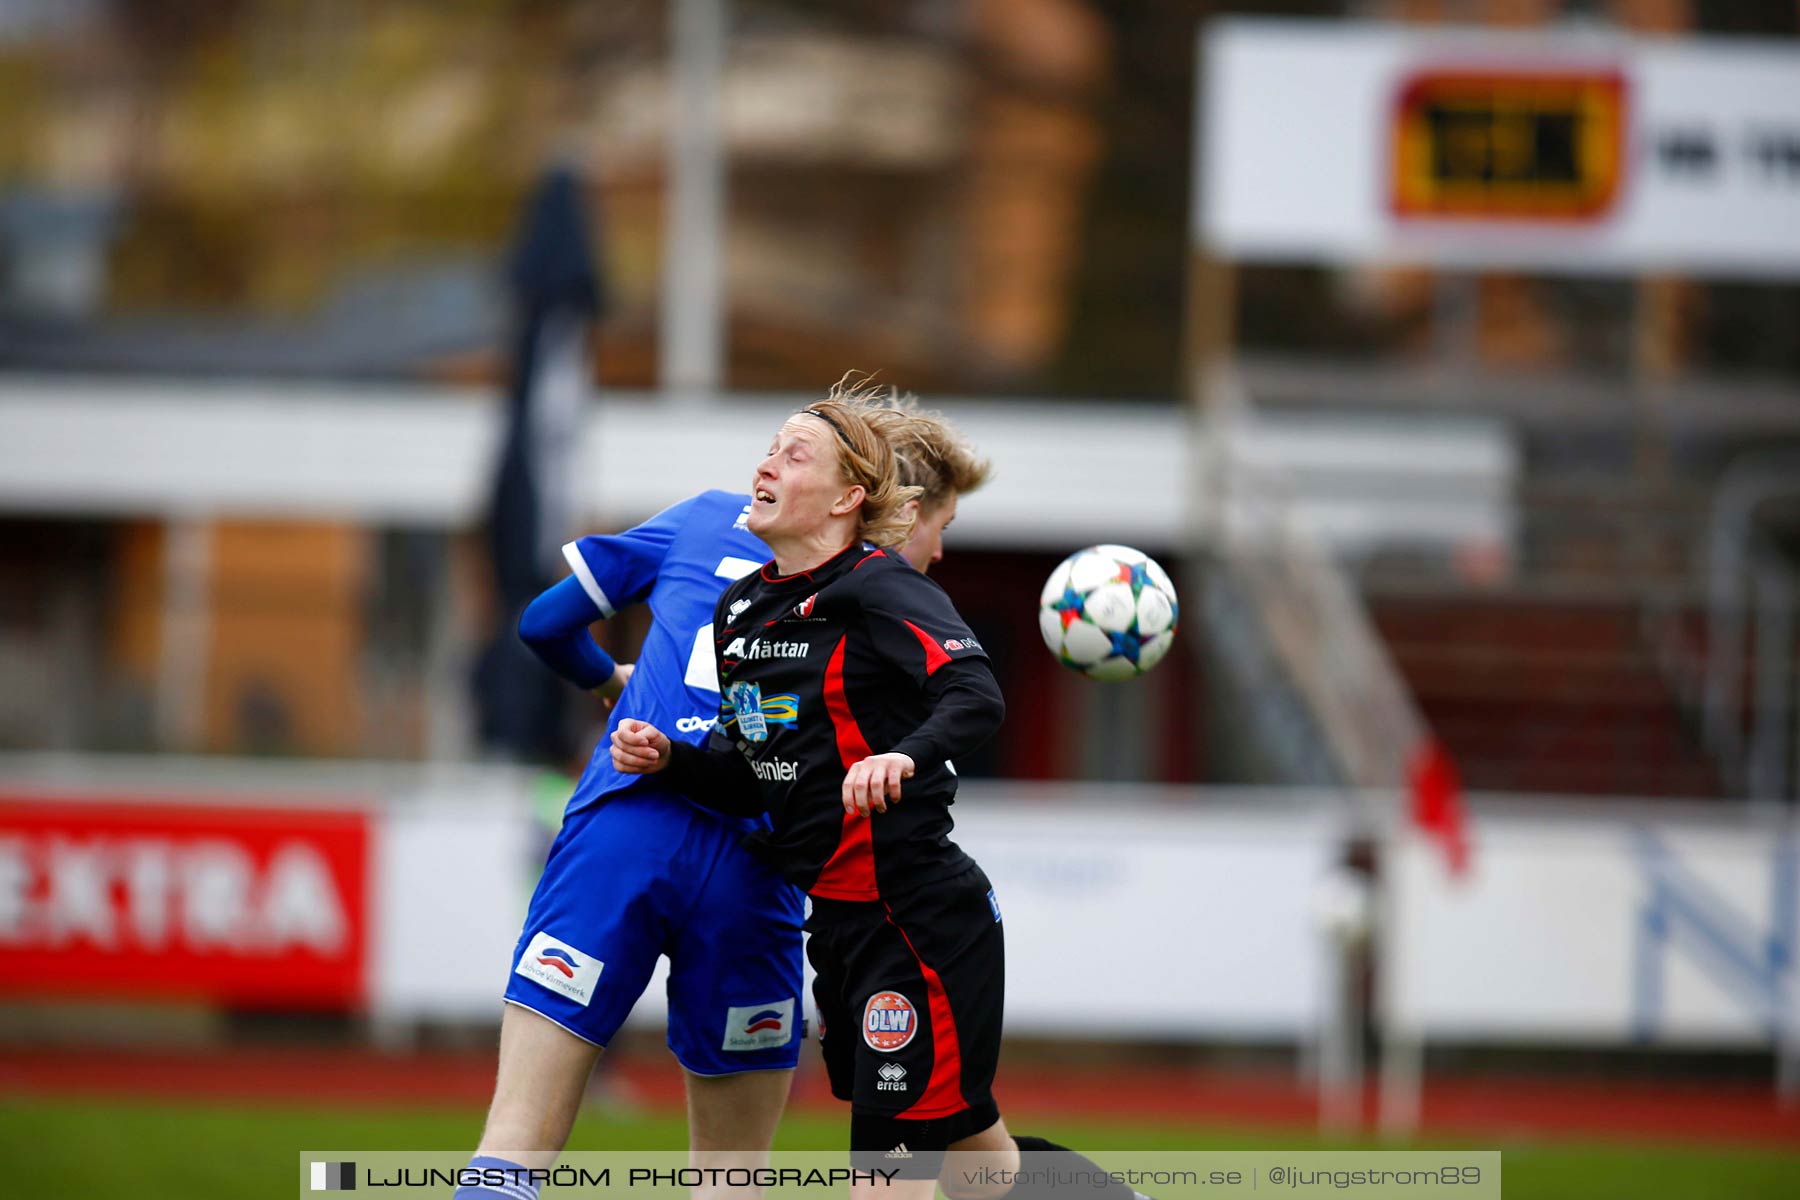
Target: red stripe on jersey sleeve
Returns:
[935, 656]
[942, 1096]
[850, 872]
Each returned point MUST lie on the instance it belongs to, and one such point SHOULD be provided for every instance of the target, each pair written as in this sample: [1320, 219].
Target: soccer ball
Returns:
[1108, 612]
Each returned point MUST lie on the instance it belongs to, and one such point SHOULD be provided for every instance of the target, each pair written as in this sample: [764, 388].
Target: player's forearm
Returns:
[713, 778]
[966, 710]
[555, 627]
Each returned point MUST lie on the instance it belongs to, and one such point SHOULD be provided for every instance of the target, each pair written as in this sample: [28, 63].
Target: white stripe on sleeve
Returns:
[589, 584]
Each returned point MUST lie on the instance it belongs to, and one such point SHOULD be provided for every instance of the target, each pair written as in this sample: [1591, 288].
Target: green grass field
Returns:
[51, 1149]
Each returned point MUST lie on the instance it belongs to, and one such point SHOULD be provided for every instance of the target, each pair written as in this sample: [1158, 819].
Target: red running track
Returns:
[1491, 1110]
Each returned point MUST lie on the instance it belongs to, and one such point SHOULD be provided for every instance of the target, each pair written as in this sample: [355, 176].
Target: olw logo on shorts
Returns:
[889, 1022]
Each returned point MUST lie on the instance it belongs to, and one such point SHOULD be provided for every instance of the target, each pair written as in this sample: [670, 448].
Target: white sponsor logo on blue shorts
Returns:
[560, 967]
[759, 1026]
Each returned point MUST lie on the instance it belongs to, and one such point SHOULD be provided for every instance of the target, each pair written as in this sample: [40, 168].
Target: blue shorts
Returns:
[647, 874]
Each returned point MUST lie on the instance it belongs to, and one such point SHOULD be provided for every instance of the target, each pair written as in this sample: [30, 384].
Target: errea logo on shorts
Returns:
[560, 967]
[759, 1026]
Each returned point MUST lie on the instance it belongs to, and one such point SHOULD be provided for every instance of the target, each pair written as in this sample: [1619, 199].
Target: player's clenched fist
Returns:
[874, 781]
[639, 748]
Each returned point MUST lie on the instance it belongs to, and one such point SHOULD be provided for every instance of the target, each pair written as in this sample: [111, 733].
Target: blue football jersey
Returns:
[679, 561]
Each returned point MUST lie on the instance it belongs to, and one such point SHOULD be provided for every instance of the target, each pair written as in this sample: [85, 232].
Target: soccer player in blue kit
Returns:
[632, 876]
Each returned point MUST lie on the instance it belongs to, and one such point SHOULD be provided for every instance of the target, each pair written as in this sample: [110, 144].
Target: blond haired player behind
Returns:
[935, 458]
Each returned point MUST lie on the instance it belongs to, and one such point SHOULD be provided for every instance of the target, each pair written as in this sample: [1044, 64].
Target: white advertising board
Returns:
[451, 881]
[1593, 931]
[1565, 151]
[1178, 923]
[1129, 922]
[1129, 912]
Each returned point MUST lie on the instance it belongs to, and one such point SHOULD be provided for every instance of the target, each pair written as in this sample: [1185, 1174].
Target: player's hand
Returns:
[639, 748]
[609, 691]
[870, 785]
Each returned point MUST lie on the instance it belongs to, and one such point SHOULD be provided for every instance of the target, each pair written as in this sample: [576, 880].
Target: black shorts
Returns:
[909, 995]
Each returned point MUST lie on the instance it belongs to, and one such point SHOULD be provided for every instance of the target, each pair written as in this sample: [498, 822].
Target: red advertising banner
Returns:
[249, 906]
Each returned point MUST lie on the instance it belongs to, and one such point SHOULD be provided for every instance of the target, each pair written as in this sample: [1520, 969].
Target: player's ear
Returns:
[850, 501]
[910, 508]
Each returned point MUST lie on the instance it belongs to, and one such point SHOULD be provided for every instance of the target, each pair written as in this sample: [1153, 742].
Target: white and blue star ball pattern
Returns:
[1108, 612]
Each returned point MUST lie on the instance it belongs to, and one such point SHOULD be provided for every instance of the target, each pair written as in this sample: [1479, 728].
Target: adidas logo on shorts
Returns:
[899, 1151]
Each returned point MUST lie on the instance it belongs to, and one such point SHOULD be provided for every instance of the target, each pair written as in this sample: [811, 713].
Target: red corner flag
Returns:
[1437, 805]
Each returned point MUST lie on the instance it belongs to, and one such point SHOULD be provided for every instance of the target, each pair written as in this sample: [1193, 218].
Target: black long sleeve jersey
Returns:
[861, 655]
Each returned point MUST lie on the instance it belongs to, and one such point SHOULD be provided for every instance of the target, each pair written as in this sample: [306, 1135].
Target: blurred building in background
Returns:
[321, 189]
[981, 200]
[1531, 527]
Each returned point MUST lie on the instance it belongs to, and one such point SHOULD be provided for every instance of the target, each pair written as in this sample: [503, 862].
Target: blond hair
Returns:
[867, 459]
[933, 455]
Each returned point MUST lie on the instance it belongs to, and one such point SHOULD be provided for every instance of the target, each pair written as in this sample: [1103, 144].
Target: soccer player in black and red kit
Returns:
[849, 685]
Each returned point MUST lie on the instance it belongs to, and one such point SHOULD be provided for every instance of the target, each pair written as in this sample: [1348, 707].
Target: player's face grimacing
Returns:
[926, 546]
[799, 485]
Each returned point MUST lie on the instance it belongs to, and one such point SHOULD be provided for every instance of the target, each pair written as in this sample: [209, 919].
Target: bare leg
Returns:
[991, 1149]
[731, 1122]
[544, 1070]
